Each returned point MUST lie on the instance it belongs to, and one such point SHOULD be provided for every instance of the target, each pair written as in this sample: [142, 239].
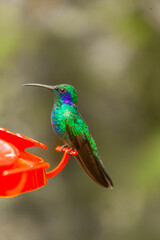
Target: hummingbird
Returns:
[70, 127]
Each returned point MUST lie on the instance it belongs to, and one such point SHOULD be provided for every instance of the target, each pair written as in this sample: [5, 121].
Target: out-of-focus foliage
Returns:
[110, 51]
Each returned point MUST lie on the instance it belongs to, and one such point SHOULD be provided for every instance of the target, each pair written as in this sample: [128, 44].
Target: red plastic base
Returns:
[21, 171]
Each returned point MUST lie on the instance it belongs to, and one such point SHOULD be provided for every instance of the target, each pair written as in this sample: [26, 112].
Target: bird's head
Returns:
[64, 93]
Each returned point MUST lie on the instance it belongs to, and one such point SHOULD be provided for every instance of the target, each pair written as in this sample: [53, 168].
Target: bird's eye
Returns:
[62, 90]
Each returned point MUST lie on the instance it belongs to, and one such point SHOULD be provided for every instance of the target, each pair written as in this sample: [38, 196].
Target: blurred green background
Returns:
[110, 51]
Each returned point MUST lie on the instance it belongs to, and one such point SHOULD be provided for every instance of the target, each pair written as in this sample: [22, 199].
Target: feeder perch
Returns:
[21, 171]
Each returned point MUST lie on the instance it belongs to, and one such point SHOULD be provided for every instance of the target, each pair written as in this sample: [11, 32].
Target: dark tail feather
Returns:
[95, 170]
[90, 163]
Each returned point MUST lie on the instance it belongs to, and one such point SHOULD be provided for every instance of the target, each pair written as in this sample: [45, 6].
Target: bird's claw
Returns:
[70, 150]
[65, 145]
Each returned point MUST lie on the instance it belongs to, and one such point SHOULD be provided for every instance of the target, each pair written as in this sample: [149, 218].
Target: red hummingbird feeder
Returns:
[21, 171]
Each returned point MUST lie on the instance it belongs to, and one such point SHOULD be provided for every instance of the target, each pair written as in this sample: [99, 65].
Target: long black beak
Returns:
[39, 85]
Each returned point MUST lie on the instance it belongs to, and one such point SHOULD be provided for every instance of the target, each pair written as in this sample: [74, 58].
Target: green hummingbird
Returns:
[73, 131]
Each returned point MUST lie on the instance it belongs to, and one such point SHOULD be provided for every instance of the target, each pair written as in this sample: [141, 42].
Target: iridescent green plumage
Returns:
[73, 131]
[71, 128]
[67, 114]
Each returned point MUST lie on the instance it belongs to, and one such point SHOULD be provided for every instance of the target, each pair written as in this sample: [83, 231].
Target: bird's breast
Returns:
[58, 122]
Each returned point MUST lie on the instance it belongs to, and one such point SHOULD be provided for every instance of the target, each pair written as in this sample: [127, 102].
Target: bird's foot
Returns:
[70, 150]
[65, 145]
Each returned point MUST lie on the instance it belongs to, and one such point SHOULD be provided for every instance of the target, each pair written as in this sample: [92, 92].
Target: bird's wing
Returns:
[89, 162]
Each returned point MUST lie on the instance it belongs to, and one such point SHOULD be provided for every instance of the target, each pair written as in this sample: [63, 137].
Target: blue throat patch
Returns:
[67, 98]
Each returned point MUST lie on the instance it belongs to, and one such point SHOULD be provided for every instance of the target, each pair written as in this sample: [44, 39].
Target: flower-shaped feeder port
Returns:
[21, 171]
